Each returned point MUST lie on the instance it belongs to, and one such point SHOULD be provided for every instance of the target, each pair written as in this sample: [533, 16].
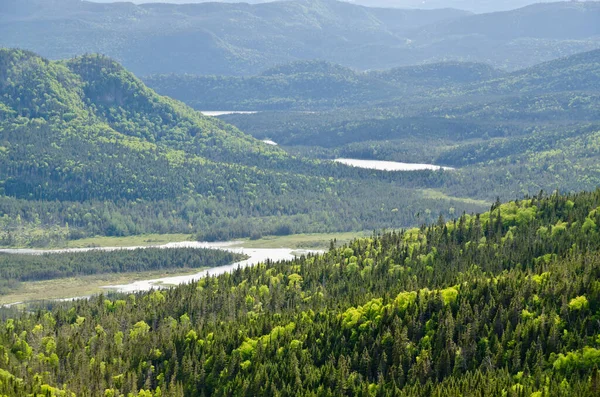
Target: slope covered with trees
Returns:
[86, 148]
[502, 303]
[312, 85]
[509, 134]
[209, 38]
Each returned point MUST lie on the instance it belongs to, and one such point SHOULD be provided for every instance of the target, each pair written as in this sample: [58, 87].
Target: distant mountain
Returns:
[479, 6]
[244, 39]
[554, 21]
[211, 38]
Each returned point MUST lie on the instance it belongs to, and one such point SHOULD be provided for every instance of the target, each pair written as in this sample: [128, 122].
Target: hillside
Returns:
[479, 6]
[469, 5]
[578, 20]
[502, 303]
[244, 39]
[87, 149]
[509, 134]
[314, 85]
[579, 72]
[225, 38]
[536, 33]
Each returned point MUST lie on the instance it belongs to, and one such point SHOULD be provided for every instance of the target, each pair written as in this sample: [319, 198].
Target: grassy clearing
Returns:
[299, 241]
[83, 286]
[436, 194]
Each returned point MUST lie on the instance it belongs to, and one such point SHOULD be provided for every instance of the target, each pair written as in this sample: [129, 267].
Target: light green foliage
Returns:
[404, 299]
[449, 295]
[579, 303]
[578, 360]
[140, 330]
[363, 316]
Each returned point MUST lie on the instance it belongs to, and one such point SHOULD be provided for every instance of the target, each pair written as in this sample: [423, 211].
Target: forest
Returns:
[501, 303]
[87, 149]
[481, 278]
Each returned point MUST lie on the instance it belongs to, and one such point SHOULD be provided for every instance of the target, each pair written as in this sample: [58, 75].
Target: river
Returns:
[216, 113]
[389, 165]
[255, 256]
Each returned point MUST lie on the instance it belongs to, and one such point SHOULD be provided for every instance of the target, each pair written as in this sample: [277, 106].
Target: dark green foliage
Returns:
[506, 302]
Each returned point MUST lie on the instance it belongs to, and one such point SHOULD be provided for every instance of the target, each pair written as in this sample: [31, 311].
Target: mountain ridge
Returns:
[245, 39]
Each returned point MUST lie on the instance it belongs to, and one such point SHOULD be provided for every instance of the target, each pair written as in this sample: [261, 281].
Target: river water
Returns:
[216, 113]
[389, 165]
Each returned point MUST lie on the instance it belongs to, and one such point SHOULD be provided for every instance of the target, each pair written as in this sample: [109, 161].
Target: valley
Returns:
[309, 198]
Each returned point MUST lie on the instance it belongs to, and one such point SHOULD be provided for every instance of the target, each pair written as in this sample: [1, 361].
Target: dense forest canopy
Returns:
[502, 303]
[471, 303]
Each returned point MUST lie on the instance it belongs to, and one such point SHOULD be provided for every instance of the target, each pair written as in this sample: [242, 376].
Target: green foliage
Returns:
[476, 318]
[578, 303]
[134, 162]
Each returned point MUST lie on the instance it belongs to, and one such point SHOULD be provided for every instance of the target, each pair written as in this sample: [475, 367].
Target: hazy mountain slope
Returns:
[313, 85]
[207, 38]
[580, 72]
[243, 39]
[564, 20]
[514, 39]
[479, 6]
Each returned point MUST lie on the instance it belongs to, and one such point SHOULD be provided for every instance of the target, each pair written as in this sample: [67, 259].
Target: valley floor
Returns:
[73, 287]
[76, 287]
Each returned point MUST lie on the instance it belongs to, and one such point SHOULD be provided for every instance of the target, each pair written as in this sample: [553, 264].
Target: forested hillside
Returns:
[479, 6]
[509, 134]
[312, 85]
[86, 149]
[244, 39]
[502, 303]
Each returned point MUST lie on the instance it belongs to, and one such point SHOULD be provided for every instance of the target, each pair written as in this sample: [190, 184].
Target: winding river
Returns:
[255, 256]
